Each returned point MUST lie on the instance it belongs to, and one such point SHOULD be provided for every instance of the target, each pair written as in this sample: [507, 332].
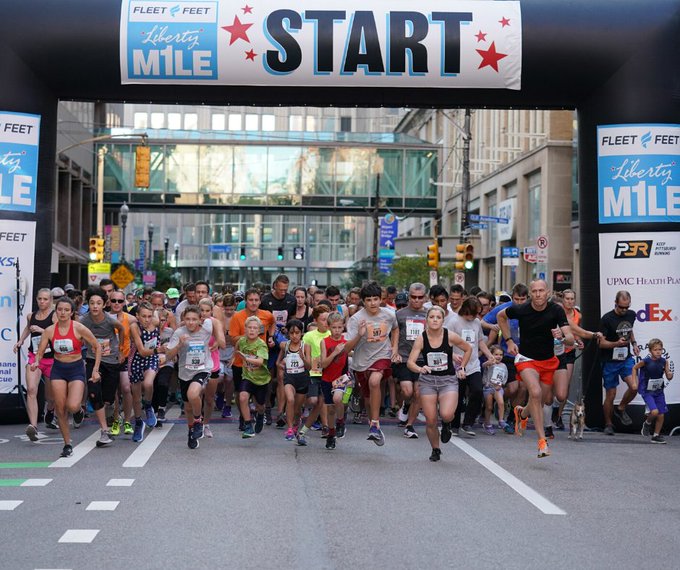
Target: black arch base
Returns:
[616, 62]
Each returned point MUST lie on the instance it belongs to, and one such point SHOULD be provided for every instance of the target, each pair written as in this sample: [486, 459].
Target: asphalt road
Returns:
[267, 503]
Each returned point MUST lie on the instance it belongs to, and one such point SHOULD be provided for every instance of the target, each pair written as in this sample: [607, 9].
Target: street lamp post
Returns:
[176, 257]
[124, 211]
[150, 256]
[166, 244]
[375, 214]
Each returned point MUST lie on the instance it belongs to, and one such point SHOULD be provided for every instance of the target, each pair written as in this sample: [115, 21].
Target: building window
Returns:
[251, 122]
[235, 122]
[157, 120]
[534, 207]
[310, 123]
[141, 121]
[175, 121]
[346, 124]
[268, 123]
[191, 121]
[295, 123]
[329, 124]
[218, 122]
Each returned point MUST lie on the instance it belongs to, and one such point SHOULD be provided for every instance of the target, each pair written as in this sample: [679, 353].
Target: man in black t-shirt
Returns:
[540, 323]
[617, 360]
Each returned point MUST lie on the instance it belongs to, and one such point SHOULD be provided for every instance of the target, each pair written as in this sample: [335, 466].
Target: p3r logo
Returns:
[641, 249]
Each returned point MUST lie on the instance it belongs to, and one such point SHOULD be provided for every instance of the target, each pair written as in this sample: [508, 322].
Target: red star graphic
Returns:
[247, 9]
[251, 55]
[504, 22]
[237, 31]
[480, 36]
[490, 57]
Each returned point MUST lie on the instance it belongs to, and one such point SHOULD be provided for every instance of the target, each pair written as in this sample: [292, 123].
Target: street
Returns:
[267, 503]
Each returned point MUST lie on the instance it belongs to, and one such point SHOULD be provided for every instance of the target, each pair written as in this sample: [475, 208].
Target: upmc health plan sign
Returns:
[325, 43]
[639, 173]
[647, 265]
[19, 137]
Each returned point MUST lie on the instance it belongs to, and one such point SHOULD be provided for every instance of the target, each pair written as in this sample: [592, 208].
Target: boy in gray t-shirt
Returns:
[373, 334]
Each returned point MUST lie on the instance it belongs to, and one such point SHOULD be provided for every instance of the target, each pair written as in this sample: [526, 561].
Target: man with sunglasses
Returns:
[411, 320]
[617, 360]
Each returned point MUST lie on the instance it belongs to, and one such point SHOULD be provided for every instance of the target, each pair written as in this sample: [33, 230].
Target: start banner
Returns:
[647, 265]
[17, 242]
[323, 43]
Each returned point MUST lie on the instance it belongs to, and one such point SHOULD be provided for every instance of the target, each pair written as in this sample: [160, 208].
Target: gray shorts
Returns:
[314, 387]
[431, 385]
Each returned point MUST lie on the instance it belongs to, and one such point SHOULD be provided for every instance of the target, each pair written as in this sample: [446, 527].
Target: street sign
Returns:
[510, 261]
[478, 226]
[434, 278]
[542, 249]
[530, 254]
[122, 277]
[388, 231]
[510, 256]
[459, 278]
[98, 271]
[149, 278]
[494, 219]
[219, 248]
[298, 253]
[510, 251]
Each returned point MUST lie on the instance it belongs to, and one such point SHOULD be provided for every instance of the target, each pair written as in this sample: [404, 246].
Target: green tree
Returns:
[412, 269]
[165, 275]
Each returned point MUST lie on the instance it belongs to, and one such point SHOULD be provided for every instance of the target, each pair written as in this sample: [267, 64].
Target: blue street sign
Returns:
[494, 219]
[219, 248]
[478, 226]
[510, 251]
[389, 226]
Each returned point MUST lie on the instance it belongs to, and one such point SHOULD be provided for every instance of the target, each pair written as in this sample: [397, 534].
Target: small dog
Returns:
[577, 421]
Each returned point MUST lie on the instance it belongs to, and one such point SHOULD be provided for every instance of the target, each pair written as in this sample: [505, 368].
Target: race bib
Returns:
[520, 358]
[280, 317]
[469, 335]
[414, 328]
[294, 364]
[151, 343]
[558, 348]
[655, 384]
[437, 361]
[619, 353]
[497, 375]
[376, 332]
[342, 382]
[63, 345]
[316, 366]
[105, 345]
[195, 356]
[35, 343]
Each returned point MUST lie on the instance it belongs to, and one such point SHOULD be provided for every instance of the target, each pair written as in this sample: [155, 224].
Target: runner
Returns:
[438, 381]
[68, 371]
[651, 370]
[302, 312]
[295, 375]
[227, 357]
[36, 323]
[411, 320]
[334, 378]
[167, 323]
[540, 321]
[117, 302]
[456, 297]
[143, 366]
[617, 361]
[217, 341]
[373, 334]
[494, 377]
[190, 343]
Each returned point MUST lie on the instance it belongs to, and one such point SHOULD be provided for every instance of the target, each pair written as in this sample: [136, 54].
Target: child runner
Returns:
[437, 382]
[334, 378]
[295, 374]
[216, 342]
[651, 371]
[494, 378]
[317, 331]
[161, 384]
[254, 354]
[143, 366]
[373, 333]
[227, 357]
[190, 343]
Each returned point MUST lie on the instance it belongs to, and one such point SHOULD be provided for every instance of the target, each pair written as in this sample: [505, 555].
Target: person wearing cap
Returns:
[69, 287]
[57, 293]
[172, 299]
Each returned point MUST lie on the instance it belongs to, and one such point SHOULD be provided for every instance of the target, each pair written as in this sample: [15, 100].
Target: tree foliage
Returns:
[413, 269]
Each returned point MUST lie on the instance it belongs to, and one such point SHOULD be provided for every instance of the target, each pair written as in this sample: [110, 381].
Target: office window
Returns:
[295, 123]
[235, 122]
[534, 206]
[191, 121]
[310, 124]
[251, 122]
[175, 121]
[141, 121]
[346, 124]
[157, 120]
[268, 123]
[218, 122]
[329, 124]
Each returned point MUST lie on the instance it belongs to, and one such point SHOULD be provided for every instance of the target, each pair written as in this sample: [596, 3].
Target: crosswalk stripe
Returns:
[9, 505]
[79, 451]
[102, 506]
[142, 454]
[120, 482]
[36, 482]
[81, 535]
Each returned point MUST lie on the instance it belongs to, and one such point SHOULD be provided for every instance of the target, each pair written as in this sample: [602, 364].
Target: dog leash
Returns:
[596, 362]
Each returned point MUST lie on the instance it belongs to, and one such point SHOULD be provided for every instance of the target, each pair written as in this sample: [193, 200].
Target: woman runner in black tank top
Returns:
[438, 384]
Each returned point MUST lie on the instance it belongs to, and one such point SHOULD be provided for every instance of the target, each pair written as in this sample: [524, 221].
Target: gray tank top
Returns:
[106, 336]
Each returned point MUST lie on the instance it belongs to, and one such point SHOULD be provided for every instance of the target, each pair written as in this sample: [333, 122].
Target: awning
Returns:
[69, 254]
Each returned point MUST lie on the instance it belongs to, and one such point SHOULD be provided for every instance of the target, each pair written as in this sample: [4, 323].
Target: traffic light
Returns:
[242, 257]
[433, 255]
[279, 254]
[142, 166]
[465, 256]
[96, 249]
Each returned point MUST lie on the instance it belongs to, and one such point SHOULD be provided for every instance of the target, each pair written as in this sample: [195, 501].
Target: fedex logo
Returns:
[633, 249]
[652, 313]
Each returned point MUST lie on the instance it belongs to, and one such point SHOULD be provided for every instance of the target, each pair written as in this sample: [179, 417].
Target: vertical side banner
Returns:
[17, 241]
[647, 265]
[19, 138]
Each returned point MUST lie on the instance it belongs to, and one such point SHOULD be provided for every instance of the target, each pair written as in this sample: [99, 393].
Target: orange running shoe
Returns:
[520, 422]
[543, 449]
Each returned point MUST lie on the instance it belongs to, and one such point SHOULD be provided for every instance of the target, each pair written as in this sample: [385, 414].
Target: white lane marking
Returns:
[9, 505]
[143, 453]
[102, 506]
[80, 536]
[120, 482]
[79, 451]
[36, 482]
[536, 499]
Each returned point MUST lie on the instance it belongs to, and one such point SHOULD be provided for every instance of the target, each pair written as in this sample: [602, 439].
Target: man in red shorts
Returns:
[540, 322]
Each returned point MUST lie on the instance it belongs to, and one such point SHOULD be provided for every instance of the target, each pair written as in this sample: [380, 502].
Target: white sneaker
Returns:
[421, 417]
[207, 432]
[402, 416]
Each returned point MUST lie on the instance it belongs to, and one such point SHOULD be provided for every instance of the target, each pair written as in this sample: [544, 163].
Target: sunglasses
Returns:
[117, 301]
[417, 296]
[622, 308]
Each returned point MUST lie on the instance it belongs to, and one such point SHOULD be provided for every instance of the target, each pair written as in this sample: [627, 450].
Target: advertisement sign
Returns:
[506, 210]
[647, 265]
[638, 170]
[388, 231]
[17, 242]
[19, 137]
[333, 43]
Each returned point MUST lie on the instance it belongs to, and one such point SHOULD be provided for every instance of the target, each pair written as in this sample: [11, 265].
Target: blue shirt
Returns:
[651, 369]
[492, 319]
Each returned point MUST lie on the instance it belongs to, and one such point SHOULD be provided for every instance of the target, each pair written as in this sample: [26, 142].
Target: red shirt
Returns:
[339, 365]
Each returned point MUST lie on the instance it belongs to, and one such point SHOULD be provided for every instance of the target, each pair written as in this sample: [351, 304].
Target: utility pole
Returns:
[375, 214]
[465, 195]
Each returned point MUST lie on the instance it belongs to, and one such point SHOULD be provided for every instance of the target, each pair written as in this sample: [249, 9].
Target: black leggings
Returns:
[470, 402]
[161, 384]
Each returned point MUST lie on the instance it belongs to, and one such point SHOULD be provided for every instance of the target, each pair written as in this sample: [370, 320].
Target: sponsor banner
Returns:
[506, 209]
[638, 169]
[19, 138]
[328, 43]
[647, 265]
[17, 242]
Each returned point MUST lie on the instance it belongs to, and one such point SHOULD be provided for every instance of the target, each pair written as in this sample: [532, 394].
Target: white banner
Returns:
[17, 241]
[323, 43]
[647, 265]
